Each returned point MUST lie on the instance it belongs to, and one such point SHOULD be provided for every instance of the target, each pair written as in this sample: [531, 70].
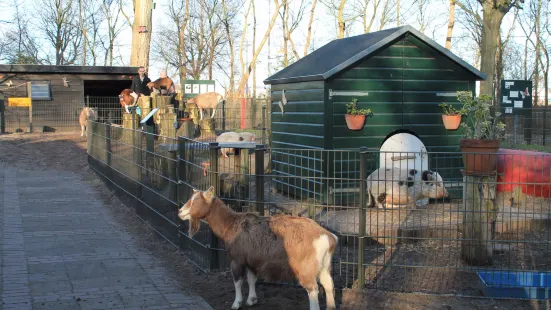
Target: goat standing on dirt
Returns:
[278, 248]
[86, 114]
[387, 187]
[206, 101]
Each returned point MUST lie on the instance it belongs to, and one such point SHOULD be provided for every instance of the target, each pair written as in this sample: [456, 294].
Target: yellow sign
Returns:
[19, 102]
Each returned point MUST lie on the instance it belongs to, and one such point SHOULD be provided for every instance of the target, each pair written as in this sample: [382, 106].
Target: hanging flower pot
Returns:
[451, 116]
[354, 122]
[354, 117]
[451, 122]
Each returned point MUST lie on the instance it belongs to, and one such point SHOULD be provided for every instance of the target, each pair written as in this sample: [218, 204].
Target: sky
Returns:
[324, 30]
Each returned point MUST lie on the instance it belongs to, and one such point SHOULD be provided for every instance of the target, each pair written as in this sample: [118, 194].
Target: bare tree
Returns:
[17, 45]
[387, 15]
[337, 8]
[368, 9]
[228, 18]
[58, 20]
[309, 32]
[451, 22]
[111, 11]
[493, 12]
[215, 36]
[245, 75]
[288, 27]
[471, 20]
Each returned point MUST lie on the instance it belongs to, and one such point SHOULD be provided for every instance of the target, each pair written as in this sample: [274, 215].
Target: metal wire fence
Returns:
[488, 234]
[528, 126]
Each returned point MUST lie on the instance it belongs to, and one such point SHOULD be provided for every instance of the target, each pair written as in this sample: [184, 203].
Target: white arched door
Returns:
[405, 151]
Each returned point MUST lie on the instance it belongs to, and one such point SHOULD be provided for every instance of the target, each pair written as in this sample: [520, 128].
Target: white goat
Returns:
[277, 248]
[85, 114]
[206, 101]
[387, 187]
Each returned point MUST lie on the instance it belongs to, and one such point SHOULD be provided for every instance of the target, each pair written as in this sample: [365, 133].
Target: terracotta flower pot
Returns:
[354, 122]
[479, 156]
[451, 122]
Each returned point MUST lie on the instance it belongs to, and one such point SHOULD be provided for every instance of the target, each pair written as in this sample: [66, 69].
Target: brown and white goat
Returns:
[277, 248]
[86, 114]
[388, 187]
[206, 101]
[164, 83]
[128, 98]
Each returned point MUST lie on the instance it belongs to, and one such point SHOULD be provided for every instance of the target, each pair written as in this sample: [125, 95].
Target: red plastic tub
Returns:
[529, 170]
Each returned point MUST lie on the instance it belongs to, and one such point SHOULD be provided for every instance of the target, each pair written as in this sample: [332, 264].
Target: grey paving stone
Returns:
[40, 288]
[63, 250]
[101, 303]
[57, 305]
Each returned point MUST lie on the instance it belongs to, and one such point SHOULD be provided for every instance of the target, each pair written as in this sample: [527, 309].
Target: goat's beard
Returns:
[194, 225]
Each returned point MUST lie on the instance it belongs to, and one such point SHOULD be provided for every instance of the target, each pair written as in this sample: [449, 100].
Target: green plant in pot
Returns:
[481, 134]
[355, 117]
[451, 116]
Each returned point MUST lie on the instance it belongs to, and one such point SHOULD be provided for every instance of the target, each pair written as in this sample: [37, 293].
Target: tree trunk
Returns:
[451, 22]
[309, 35]
[241, 60]
[254, 46]
[83, 29]
[490, 33]
[141, 42]
[232, 50]
[526, 60]
[285, 33]
[182, 66]
[245, 75]
[340, 20]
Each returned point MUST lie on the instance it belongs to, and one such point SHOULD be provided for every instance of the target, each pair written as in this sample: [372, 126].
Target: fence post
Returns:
[259, 173]
[2, 116]
[30, 94]
[363, 202]
[150, 149]
[544, 124]
[88, 101]
[108, 144]
[137, 156]
[478, 219]
[263, 124]
[181, 170]
[223, 115]
[213, 181]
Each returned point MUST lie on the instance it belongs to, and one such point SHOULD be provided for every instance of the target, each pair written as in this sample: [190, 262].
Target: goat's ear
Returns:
[209, 194]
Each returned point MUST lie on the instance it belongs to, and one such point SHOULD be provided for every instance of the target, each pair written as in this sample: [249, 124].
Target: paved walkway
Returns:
[61, 249]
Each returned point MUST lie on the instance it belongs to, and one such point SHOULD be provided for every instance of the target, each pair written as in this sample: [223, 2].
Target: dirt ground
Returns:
[67, 152]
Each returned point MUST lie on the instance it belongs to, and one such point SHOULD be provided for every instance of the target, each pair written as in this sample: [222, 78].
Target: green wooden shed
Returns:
[399, 73]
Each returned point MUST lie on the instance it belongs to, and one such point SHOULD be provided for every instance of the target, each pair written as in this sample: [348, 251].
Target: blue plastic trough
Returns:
[520, 285]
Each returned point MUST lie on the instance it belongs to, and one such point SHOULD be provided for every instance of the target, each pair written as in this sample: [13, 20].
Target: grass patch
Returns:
[526, 147]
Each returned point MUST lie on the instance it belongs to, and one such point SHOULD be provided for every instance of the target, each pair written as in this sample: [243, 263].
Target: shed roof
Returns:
[337, 55]
[47, 69]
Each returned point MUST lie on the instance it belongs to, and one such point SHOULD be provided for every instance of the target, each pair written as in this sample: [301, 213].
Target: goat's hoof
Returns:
[252, 301]
[236, 305]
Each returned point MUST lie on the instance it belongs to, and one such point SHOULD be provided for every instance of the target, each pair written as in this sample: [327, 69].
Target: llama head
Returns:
[150, 85]
[197, 208]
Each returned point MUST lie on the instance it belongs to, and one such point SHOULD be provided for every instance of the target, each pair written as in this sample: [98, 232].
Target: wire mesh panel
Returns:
[406, 221]
[527, 126]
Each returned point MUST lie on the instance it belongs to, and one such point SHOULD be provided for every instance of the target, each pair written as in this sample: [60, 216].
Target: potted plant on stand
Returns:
[482, 133]
[451, 116]
[355, 117]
